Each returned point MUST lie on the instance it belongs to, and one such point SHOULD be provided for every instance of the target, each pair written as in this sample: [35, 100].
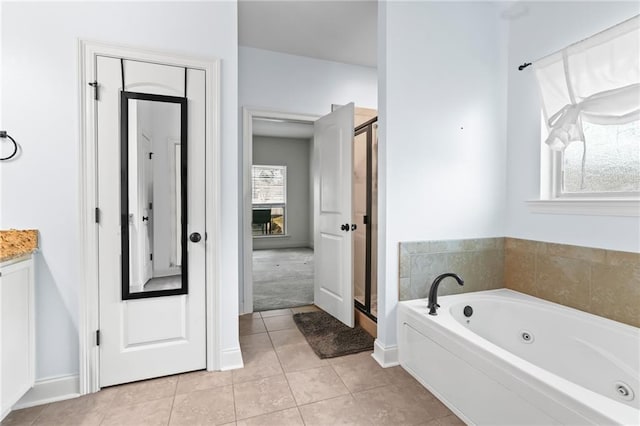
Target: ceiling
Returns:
[282, 129]
[340, 31]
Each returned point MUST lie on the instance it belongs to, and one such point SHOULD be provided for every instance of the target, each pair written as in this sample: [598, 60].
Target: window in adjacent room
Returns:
[591, 102]
[269, 200]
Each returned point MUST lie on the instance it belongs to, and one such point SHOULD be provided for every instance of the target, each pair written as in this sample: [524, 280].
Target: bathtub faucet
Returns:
[433, 292]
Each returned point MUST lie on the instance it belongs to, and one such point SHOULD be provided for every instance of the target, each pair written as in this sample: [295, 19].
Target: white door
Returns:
[333, 152]
[160, 330]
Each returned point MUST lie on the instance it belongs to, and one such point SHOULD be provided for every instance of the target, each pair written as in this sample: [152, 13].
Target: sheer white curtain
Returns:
[595, 80]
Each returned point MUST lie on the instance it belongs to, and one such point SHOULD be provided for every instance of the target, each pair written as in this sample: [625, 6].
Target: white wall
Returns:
[296, 155]
[555, 25]
[299, 84]
[442, 131]
[40, 109]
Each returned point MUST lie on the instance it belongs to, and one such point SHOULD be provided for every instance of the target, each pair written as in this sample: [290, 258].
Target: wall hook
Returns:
[4, 135]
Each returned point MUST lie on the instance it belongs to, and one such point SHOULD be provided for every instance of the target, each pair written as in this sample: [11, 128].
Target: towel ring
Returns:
[3, 135]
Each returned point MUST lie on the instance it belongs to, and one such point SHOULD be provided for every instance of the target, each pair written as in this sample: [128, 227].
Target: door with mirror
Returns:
[151, 171]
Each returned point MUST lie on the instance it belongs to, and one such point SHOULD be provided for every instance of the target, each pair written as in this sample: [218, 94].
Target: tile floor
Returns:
[283, 383]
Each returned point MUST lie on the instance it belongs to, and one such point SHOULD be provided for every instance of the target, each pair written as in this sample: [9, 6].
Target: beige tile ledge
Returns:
[16, 243]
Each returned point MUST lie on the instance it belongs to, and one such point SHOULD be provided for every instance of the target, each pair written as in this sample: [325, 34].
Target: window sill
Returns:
[593, 207]
[261, 237]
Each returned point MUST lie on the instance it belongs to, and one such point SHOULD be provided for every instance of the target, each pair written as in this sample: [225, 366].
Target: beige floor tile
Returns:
[84, 410]
[289, 417]
[155, 412]
[25, 416]
[450, 420]
[361, 373]
[399, 376]
[147, 390]
[276, 312]
[279, 323]
[257, 365]
[202, 380]
[299, 357]
[353, 357]
[255, 342]
[303, 309]
[88, 418]
[400, 405]
[253, 315]
[315, 384]
[262, 396]
[251, 326]
[342, 410]
[292, 336]
[213, 406]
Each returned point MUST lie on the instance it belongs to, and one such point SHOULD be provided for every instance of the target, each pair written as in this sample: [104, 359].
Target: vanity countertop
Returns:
[15, 243]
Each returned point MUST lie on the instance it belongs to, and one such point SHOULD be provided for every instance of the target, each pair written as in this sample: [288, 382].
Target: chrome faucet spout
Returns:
[433, 291]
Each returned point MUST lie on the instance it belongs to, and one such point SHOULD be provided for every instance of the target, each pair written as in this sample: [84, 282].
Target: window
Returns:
[590, 93]
[611, 162]
[269, 200]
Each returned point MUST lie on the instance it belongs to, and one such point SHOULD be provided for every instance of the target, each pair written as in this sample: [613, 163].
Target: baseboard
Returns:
[385, 356]
[231, 359]
[50, 390]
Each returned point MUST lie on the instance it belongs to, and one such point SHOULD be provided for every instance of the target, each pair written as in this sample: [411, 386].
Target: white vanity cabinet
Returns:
[17, 331]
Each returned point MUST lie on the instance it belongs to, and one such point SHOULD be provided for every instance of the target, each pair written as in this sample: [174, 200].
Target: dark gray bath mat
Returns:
[329, 337]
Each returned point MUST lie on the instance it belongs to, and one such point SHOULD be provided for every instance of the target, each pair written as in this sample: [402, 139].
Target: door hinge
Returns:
[150, 155]
[97, 337]
[94, 84]
[151, 256]
[97, 215]
[365, 219]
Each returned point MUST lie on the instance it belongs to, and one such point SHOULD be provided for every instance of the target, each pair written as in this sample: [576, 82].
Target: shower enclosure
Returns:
[365, 215]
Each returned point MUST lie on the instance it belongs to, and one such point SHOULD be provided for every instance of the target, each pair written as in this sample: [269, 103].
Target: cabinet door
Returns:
[17, 328]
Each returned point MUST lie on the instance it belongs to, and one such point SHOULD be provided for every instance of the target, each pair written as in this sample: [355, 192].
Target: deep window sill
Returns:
[590, 207]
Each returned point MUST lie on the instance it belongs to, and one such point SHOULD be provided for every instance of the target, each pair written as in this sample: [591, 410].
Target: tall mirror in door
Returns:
[153, 195]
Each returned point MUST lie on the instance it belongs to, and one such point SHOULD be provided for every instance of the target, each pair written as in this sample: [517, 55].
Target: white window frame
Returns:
[283, 205]
[553, 201]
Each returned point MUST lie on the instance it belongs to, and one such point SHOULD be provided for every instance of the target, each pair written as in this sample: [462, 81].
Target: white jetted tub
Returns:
[517, 359]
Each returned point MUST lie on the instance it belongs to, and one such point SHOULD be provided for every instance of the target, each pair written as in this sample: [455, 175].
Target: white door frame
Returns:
[88, 320]
[248, 114]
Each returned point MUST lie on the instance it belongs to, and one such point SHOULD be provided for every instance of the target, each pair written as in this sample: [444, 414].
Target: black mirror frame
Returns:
[124, 193]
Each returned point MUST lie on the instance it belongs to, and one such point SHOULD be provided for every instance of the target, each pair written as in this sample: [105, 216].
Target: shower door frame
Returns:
[365, 308]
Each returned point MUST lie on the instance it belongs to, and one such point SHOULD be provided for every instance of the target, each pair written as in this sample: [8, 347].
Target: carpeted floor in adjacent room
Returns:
[282, 278]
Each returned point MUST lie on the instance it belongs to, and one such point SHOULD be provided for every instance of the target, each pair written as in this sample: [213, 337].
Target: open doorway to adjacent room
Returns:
[282, 214]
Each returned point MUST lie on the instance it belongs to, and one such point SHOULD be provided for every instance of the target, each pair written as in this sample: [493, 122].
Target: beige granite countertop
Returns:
[15, 243]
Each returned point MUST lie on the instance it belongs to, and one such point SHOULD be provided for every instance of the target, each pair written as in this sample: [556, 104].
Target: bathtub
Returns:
[518, 359]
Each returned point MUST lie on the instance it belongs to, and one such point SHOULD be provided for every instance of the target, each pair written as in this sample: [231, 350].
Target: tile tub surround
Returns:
[598, 281]
[479, 262]
[15, 243]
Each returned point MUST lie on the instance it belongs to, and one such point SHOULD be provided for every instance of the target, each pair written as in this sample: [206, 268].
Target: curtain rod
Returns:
[625, 22]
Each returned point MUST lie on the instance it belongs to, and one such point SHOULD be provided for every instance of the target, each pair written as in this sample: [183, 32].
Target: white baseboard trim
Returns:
[231, 359]
[386, 356]
[50, 390]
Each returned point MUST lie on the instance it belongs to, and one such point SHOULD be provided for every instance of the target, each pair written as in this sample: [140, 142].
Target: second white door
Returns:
[333, 152]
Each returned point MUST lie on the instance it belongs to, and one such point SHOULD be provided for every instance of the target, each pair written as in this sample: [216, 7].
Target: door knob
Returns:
[345, 227]
[195, 237]
[354, 226]
[145, 218]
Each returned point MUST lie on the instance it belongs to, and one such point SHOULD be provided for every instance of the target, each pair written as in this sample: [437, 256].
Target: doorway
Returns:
[282, 223]
[278, 218]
